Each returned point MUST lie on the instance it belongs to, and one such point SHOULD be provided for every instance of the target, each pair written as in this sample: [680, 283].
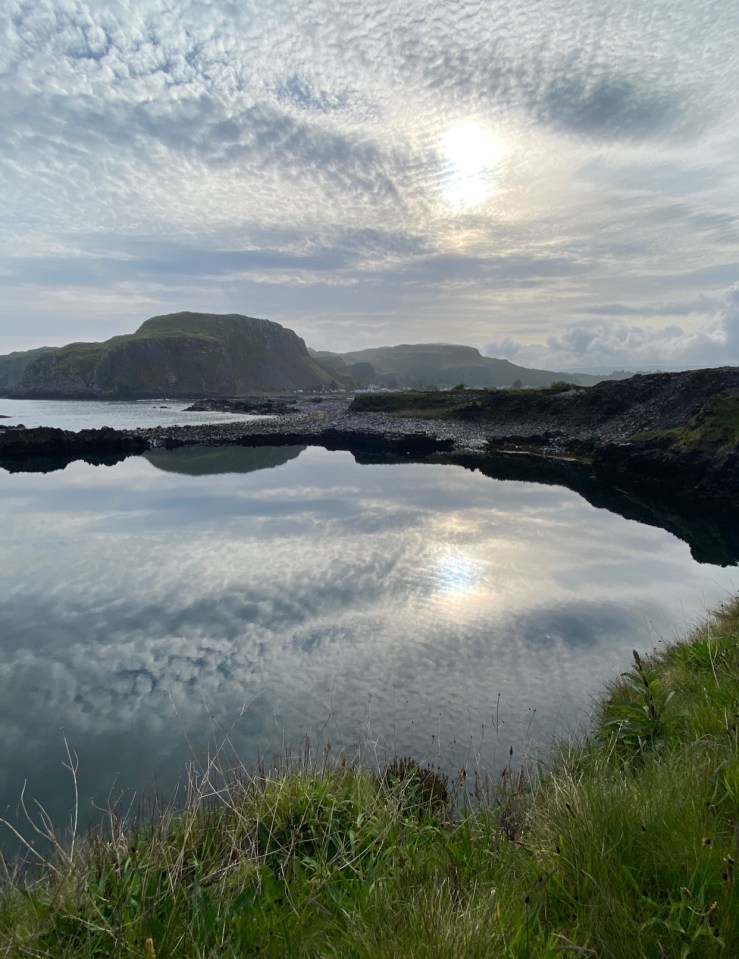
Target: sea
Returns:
[121, 415]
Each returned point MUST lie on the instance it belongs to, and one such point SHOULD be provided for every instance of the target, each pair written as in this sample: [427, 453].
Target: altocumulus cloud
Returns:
[297, 153]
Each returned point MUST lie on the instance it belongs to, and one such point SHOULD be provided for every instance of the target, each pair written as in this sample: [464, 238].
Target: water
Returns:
[123, 415]
[157, 607]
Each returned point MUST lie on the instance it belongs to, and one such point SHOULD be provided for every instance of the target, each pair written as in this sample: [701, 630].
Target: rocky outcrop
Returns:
[17, 440]
[653, 430]
[255, 407]
[44, 449]
[701, 474]
[609, 412]
[658, 438]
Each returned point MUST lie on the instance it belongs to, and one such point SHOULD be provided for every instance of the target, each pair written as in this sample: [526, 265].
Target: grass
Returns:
[715, 427]
[422, 404]
[626, 848]
[441, 404]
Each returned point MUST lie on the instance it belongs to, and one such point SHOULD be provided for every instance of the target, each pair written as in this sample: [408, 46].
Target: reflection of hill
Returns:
[206, 460]
[711, 534]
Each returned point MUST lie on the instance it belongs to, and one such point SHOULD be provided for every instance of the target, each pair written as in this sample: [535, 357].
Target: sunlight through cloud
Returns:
[471, 157]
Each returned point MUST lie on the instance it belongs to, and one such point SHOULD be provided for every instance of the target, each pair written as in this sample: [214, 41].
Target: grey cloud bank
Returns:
[555, 183]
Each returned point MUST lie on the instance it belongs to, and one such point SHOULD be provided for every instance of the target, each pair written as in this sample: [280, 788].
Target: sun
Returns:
[471, 156]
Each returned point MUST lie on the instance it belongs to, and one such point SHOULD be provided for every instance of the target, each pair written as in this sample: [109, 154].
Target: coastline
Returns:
[660, 448]
[530, 432]
[626, 846]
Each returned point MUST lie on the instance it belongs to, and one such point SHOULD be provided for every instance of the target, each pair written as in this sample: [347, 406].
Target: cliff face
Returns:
[12, 366]
[182, 354]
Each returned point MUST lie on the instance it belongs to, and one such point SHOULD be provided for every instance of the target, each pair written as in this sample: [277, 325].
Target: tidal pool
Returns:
[238, 599]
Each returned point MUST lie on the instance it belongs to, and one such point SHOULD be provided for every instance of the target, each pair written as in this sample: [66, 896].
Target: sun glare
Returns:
[471, 156]
[456, 574]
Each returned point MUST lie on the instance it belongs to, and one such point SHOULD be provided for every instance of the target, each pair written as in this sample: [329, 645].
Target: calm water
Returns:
[91, 414]
[150, 608]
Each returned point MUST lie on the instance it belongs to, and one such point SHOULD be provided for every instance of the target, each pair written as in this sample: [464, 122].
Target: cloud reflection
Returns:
[395, 601]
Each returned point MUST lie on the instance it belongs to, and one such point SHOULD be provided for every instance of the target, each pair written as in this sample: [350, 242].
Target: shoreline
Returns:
[330, 422]
[676, 493]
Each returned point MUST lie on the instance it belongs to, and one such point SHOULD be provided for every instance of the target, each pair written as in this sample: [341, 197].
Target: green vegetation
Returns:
[419, 365]
[627, 848]
[440, 404]
[421, 404]
[715, 427]
[181, 354]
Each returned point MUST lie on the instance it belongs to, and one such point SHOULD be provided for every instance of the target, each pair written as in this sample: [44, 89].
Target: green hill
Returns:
[442, 365]
[208, 354]
[181, 354]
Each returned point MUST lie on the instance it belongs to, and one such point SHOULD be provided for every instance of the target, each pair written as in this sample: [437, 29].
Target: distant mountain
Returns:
[438, 364]
[181, 354]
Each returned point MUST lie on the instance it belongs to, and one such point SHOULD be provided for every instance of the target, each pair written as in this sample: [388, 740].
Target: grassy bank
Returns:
[627, 848]
[446, 404]
[715, 427]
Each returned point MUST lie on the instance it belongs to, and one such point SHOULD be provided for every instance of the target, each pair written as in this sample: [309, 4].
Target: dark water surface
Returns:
[149, 607]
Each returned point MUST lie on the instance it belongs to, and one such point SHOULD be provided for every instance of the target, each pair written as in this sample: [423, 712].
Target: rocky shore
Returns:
[628, 432]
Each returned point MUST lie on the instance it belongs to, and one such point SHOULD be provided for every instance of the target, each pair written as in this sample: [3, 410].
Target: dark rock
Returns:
[600, 426]
[45, 440]
[268, 407]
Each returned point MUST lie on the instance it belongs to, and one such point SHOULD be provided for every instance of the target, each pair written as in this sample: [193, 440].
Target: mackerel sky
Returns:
[553, 181]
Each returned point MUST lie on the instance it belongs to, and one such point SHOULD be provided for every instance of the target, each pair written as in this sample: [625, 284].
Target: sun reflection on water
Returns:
[457, 584]
[456, 574]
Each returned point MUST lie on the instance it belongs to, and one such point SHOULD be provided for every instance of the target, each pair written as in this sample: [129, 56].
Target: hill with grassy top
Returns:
[180, 354]
[441, 365]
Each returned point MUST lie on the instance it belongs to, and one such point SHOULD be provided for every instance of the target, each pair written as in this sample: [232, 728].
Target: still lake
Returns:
[153, 607]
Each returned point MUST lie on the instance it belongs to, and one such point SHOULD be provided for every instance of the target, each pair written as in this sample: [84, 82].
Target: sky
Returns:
[555, 182]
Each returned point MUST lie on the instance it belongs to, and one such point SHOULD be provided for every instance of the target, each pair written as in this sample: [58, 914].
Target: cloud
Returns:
[578, 92]
[285, 159]
[614, 344]
[731, 322]
[300, 91]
